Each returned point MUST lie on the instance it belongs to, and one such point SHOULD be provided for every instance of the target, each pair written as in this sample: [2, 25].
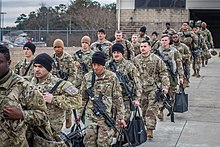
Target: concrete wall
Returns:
[154, 19]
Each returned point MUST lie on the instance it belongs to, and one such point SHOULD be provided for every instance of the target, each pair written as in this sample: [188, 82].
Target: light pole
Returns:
[2, 24]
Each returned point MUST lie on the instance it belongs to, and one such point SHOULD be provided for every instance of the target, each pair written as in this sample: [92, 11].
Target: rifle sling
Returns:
[29, 66]
[55, 86]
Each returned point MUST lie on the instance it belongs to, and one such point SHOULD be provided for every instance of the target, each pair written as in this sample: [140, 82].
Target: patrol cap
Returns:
[98, 58]
[45, 60]
[31, 46]
[118, 47]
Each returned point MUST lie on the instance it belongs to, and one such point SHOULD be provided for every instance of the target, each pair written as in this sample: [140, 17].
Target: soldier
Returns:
[83, 60]
[63, 66]
[136, 44]
[152, 69]
[155, 44]
[189, 38]
[130, 76]
[170, 31]
[197, 52]
[60, 95]
[185, 54]
[128, 47]
[173, 61]
[102, 44]
[25, 66]
[142, 34]
[21, 105]
[207, 35]
[102, 82]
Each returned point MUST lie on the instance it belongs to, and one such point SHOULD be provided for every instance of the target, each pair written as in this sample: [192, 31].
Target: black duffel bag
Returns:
[181, 101]
[135, 133]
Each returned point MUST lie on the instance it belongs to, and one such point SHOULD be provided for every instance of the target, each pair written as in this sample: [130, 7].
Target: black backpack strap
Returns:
[79, 54]
[29, 66]
[55, 86]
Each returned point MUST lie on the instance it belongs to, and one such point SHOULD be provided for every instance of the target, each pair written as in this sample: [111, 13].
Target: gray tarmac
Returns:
[200, 125]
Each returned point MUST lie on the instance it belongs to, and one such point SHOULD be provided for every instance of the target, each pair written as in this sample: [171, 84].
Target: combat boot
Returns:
[194, 73]
[160, 115]
[197, 74]
[150, 133]
[68, 123]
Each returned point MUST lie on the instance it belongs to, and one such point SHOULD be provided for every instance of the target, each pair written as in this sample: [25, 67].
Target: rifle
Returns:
[169, 67]
[123, 80]
[100, 108]
[63, 75]
[186, 71]
[167, 103]
[83, 65]
[99, 46]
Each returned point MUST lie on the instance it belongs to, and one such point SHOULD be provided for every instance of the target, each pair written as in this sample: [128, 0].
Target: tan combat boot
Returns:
[150, 133]
[160, 115]
[194, 73]
[197, 74]
[68, 122]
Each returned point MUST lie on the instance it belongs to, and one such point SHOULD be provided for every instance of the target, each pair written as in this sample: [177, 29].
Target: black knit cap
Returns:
[118, 47]
[143, 29]
[45, 60]
[31, 46]
[98, 58]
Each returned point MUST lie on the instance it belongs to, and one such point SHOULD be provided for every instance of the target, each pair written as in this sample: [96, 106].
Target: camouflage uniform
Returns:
[152, 69]
[155, 45]
[107, 83]
[21, 69]
[64, 98]
[128, 49]
[191, 40]
[173, 57]
[143, 38]
[169, 31]
[128, 69]
[19, 92]
[104, 46]
[185, 55]
[82, 58]
[66, 65]
[136, 48]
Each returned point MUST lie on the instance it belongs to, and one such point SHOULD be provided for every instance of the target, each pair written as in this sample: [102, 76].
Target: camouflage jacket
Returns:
[142, 38]
[184, 51]
[65, 97]
[136, 48]
[169, 31]
[155, 45]
[85, 59]
[127, 68]
[25, 69]
[108, 85]
[128, 49]
[189, 38]
[17, 91]
[172, 56]
[66, 65]
[152, 70]
[104, 46]
[207, 37]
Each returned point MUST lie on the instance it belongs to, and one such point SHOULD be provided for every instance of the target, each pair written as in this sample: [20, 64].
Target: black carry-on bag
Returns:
[181, 101]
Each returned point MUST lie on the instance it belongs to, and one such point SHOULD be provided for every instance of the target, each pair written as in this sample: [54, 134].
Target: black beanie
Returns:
[45, 60]
[118, 47]
[31, 46]
[98, 58]
[143, 29]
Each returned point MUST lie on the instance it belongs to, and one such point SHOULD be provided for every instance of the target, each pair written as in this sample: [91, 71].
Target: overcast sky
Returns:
[13, 8]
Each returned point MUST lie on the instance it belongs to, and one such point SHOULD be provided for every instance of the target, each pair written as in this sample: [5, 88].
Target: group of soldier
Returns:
[42, 92]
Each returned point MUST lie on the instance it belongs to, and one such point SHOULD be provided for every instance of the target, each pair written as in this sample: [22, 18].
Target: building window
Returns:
[160, 3]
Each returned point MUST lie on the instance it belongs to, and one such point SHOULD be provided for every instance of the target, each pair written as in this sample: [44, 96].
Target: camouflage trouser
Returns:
[149, 109]
[196, 61]
[127, 110]
[172, 92]
[98, 134]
